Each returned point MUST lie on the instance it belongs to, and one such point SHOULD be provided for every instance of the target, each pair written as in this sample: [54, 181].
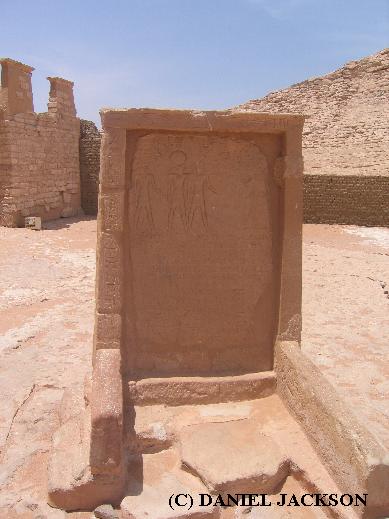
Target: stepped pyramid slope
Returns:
[347, 129]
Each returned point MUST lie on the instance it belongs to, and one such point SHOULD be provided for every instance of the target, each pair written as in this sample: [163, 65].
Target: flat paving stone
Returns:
[153, 479]
[233, 456]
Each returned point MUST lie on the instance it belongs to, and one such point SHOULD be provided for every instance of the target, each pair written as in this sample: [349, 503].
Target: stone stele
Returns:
[198, 273]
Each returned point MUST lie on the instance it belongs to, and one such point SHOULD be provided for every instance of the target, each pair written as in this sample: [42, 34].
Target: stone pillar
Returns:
[107, 399]
[289, 174]
[61, 98]
[16, 88]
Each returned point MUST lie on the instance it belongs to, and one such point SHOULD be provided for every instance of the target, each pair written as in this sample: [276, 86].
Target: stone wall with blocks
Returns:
[348, 200]
[39, 152]
[90, 141]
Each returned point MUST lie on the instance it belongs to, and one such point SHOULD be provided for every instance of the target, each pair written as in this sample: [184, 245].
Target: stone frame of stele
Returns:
[198, 272]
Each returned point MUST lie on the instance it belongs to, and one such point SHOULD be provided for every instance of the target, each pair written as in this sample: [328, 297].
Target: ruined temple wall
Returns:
[39, 153]
[6, 202]
[42, 174]
[5, 160]
[3, 99]
[90, 142]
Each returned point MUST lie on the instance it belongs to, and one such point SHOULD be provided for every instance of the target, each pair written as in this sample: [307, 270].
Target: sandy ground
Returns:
[46, 326]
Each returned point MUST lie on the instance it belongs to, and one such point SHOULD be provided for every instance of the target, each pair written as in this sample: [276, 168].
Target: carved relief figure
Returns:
[176, 207]
[145, 186]
[175, 201]
[187, 192]
[178, 198]
[195, 189]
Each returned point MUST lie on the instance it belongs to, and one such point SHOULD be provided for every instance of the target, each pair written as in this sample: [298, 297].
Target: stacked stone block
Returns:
[348, 200]
[39, 153]
[90, 141]
[61, 99]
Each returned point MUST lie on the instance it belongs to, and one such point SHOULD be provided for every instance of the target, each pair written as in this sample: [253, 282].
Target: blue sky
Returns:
[207, 54]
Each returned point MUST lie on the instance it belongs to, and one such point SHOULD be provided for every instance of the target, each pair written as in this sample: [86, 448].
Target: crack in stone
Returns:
[26, 398]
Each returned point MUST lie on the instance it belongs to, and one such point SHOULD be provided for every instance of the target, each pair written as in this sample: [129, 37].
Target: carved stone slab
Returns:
[199, 242]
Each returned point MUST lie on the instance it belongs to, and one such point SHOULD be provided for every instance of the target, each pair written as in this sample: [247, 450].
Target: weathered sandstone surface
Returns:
[39, 152]
[345, 141]
[346, 131]
[90, 141]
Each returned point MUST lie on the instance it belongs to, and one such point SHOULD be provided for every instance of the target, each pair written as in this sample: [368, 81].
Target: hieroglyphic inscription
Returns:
[112, 209]
[113, 158]
[109, 275]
